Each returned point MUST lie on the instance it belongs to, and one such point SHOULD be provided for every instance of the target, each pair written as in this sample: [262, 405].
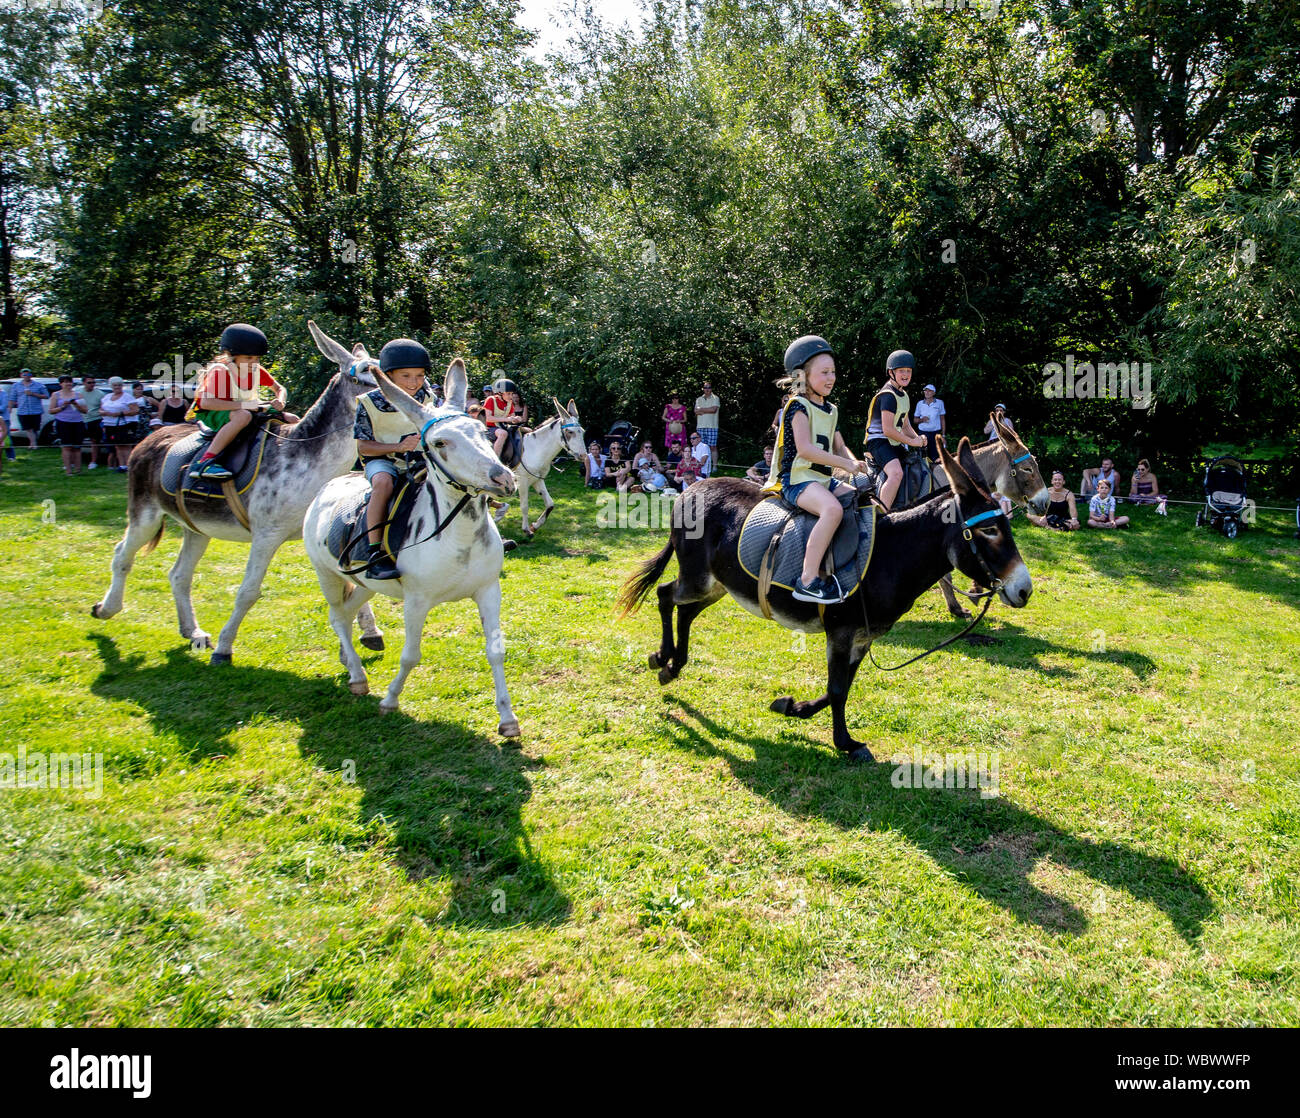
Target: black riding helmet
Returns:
[802, 350]
[243, 339]
[502, 385]
[403, 353]
[899, 359]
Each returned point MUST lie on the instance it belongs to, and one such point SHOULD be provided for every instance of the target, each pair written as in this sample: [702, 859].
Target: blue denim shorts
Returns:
[381, 466]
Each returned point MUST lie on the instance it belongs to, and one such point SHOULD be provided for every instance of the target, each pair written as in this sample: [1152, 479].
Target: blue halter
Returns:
[1022, 458]
[980, 518]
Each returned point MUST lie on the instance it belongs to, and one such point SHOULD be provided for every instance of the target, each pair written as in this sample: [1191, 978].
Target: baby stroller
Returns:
[1225, 496]
[623, 432]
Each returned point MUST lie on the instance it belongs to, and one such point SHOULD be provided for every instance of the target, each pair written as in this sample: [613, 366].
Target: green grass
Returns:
[269, 850]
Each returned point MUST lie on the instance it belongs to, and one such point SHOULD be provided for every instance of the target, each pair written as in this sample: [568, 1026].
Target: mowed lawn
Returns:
[269, 850]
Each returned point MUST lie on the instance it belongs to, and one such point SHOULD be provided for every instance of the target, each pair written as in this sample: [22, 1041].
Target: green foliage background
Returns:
[994, 187]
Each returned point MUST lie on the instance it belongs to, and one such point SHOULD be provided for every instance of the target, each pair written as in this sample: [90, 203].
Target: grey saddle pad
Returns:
[918, 482]
[244, 460]
[850, 549]
[346, 519]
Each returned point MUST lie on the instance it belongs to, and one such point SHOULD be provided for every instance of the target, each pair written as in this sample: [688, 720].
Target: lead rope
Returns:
[987, 595]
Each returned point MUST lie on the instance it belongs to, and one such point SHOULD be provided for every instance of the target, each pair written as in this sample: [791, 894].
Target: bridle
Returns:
[567, 426]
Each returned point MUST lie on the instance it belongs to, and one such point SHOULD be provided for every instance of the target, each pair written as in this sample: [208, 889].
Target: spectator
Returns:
[999, 413]
[688, 471]
[117, 413]
[91, 396]
[618, 470]
[676, 448]
[68, 412]
[1062, 512]
[593, 466]
[26, 398]
[1088, 483]
[521, 409]
[1101, 509]
[174, 406]
[1144, 489]
[707, 407]
[147, 418]
[702, 453]
[674, 420]
[931, 421]
[649, 470]
[759, 471]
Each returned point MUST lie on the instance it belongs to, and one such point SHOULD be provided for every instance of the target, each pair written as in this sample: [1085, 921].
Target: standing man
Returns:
[931, 421]
[90, 396]
[28, 397]
[707, 407]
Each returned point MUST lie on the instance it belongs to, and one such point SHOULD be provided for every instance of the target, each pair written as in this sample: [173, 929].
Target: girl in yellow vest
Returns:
[888, 427]
[808, 448]
[384, 437]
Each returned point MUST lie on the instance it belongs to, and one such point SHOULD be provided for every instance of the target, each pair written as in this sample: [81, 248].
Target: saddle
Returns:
[775, 535]
[349, 523]
[243, 458]
[513, 450]
[918, 479]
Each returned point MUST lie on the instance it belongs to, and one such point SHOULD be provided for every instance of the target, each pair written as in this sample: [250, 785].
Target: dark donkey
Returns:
[963, 528]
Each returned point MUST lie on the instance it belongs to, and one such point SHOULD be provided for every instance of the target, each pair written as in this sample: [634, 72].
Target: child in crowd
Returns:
[1101, 508]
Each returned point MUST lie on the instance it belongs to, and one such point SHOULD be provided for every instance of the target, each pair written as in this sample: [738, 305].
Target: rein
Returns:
[987, 595]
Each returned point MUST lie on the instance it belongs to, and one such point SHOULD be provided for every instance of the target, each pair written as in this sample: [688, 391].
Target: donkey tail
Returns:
[646, 574]
[158, 535]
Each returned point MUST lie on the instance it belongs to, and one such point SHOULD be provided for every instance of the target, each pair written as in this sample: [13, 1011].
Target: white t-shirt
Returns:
[710, 420]
[927, 415]
[700, 452]
[114, 412]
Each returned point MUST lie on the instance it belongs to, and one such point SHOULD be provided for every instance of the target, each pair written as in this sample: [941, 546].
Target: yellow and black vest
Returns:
[787, 466]
[875, 420]
[389, 426]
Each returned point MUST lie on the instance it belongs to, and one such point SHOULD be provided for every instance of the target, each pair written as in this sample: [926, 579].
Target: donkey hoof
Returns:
[509, 545]
[861, 755]
[961, 614]
[221, 658]
[375, 644]
[509, 729]
[667, 675]
[387, 708]
[199, 640]
[654, 659]
[783, 705]
[361, 687]
[94, 610]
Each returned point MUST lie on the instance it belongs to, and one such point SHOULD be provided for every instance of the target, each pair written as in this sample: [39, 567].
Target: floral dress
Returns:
[675, 415]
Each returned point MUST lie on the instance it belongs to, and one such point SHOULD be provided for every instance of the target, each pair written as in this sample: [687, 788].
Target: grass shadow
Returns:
[992, 846]
[454, 798]
[1012, 647]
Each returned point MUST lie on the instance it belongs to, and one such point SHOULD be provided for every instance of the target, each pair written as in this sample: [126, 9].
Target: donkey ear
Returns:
[340, 355]
[957, 476]
[559, 407]
[455, 387]
[407, 405]
[573, 408]
[966, 457]
[1007, 436]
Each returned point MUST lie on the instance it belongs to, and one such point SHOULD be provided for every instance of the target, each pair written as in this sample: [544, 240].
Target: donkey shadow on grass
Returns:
[1009, 646]
[453, 797]
[990, 846]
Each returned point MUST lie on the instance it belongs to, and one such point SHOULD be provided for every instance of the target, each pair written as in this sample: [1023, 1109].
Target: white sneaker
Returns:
[93, 466]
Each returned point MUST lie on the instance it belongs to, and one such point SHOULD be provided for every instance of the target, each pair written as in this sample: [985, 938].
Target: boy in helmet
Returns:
[499, 412]
[384, 437]
[232, 388]
[888, 427]
[808, 447]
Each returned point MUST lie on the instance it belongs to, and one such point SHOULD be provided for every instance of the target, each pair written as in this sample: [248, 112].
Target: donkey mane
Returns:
[318, 420]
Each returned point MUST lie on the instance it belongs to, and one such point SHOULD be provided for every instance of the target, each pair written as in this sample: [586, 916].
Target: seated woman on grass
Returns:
[1101, 509]
[1144, 489]
[1062, 513]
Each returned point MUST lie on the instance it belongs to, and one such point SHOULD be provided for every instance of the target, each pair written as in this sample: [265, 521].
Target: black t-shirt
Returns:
[761, 467]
